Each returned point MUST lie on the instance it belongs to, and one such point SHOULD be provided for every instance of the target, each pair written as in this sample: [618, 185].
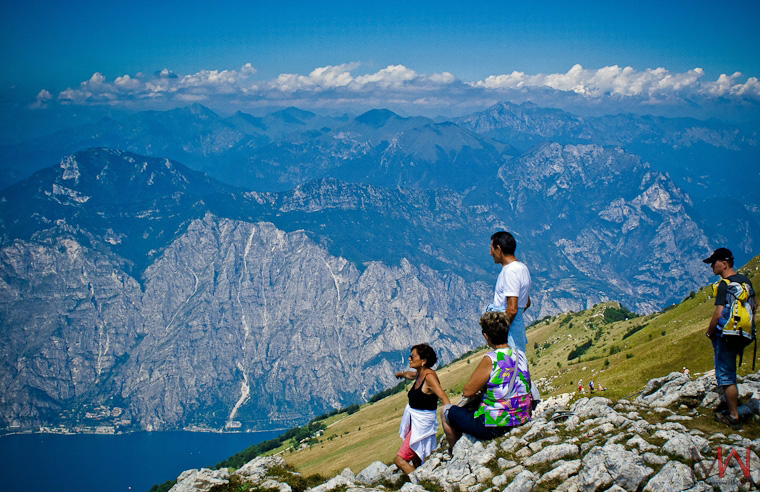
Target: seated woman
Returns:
[503, 374]
[419, 423]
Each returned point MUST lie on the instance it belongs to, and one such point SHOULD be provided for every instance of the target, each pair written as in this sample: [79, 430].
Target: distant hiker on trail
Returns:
[512, 292]
[580, 386]
[591, 386]
[726, 345]
[686, 371]
[419, 422]
[503, 373]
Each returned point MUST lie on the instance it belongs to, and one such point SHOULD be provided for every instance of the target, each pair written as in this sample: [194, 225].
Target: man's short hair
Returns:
[495, 324]
[426, 353]
[505, 241]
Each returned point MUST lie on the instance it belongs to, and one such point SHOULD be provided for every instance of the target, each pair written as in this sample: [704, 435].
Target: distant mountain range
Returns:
[708, 160]
[140, 293]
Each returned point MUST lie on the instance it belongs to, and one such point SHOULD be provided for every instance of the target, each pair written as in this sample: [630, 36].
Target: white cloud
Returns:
[610, 80]
[43, 97]
[126, 82]
[391, 76]
[750, 87]
[319, 79]
[338, 86]
[728, 85]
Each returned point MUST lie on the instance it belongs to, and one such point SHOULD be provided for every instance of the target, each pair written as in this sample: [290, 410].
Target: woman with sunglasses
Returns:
[419, 422]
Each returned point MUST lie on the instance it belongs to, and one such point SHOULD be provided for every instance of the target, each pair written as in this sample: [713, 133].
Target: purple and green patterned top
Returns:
[502, 407]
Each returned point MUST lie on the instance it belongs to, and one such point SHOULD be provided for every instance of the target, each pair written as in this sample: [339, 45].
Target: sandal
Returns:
[727, 419]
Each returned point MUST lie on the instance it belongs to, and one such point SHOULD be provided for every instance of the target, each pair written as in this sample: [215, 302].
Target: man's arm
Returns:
[712, 328]
[511, 308]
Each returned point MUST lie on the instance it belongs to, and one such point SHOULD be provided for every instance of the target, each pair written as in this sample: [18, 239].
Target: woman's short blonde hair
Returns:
[496, 325]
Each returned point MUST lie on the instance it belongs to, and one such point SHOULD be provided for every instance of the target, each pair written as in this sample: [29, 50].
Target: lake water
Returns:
[105, 463]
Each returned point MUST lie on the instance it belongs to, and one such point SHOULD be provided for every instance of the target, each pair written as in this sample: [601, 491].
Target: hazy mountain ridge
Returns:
[287, 148]
[166, 299]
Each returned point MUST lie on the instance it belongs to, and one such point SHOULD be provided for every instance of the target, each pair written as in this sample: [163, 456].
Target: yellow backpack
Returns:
[737, 323]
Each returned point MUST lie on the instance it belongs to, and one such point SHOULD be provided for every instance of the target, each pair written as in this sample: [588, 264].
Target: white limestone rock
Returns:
[523, 482]
[336, 481]
[654, 459]
[562, 471]
[592, 407]
[371, 474]
[200, 480]
[412, 487]
[680, 444]
[503, 464]
[673, 477]
[640, 443]
[572, 484]
[256, 469]
[274, 484]
[614, 464]
[552, 453]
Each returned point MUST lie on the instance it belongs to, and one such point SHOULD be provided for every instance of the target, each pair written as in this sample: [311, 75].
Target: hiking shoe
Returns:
[727, 419]
[721, 408]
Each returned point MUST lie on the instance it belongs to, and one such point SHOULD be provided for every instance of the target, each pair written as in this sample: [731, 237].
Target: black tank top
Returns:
[422, 401]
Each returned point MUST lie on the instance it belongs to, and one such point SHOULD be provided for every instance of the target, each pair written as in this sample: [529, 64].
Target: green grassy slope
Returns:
[620, 357]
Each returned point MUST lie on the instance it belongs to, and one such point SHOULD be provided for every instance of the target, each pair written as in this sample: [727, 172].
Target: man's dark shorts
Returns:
[725, 361]
[462, 420]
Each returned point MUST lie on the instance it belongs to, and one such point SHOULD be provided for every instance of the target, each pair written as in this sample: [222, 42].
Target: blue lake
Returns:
[105, 463]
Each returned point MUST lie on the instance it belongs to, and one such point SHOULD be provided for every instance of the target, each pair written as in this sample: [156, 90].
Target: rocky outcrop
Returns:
[644, 444]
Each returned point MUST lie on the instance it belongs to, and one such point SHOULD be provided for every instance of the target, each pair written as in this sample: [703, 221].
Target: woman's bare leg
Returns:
[404, 465]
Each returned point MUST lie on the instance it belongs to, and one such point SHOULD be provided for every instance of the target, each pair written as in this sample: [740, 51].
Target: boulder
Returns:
[552, 453]
[603, 466]
[523, 482]
[673, 477]
[562, 471]
[256, 469]
[337, 481]
[200, 480]
[274, 484]
[371, 474]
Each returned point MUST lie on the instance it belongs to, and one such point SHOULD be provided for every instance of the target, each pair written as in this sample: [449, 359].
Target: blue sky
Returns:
[58, 45]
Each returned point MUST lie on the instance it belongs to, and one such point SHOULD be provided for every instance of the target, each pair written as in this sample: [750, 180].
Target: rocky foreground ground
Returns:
[645, 444]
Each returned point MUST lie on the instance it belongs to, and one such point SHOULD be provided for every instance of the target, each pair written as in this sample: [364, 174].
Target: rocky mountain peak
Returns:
[553, 166]
[293, 115]
[527, 118]
[376, 118]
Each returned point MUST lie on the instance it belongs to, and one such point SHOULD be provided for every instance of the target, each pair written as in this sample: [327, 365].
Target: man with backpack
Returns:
[731, 328]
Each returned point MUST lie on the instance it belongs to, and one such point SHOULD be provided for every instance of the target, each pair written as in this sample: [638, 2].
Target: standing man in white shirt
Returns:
[512, 293]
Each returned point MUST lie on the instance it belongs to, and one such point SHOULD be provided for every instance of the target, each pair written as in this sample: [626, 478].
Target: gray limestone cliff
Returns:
[234, 322]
